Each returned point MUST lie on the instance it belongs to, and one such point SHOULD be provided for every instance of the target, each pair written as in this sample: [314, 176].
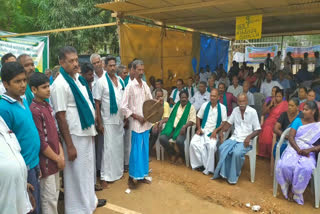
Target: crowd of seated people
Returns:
[285, 100]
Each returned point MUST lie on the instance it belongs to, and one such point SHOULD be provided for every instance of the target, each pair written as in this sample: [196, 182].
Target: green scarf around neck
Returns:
[84, 82]
[183, 120]
[225, 102]
[126, 80]
[175, 93]
[112, 95]
[84, 111]
[206, 114]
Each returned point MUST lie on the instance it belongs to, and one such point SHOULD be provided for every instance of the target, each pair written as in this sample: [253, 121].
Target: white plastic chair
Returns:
[190, 132]
[252, 158]
[315, 182]
[252, 154]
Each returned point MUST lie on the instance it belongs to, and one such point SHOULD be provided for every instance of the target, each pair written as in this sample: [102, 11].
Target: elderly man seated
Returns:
[181, 117]
[203, 144]
[156, 128]
[200, 96]
[232, 151]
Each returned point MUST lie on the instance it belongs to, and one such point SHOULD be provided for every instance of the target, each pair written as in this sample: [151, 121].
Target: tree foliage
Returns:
[35, 15]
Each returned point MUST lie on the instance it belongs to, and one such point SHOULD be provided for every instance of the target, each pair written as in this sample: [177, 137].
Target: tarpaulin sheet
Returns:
[213, 52]
[173, 49]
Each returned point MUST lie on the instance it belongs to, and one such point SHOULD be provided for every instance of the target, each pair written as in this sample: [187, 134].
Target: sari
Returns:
[294, 169]
[266, 134]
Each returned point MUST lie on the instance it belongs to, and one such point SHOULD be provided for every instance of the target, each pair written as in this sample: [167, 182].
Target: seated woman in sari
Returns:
[265, 137]
[268, 104]
[282, 124]
[294, 169]
[311, 96]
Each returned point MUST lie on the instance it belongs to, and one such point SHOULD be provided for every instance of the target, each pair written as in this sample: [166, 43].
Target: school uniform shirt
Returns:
[62, 99]
[243, 127]
[198, 99]
[19, 119]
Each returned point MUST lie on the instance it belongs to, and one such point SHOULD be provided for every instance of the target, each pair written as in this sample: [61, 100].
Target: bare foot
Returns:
[104, 184]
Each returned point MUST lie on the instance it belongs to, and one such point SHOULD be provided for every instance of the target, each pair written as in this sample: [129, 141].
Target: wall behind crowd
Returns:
[168, 54]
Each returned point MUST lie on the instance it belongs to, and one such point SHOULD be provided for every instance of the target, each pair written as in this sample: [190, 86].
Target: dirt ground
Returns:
[178, 189]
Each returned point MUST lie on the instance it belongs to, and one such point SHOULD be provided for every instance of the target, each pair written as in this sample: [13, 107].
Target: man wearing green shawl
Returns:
[181, 117]
[174, 97]
[76, 120]
[27, 63]
[108, 93]
[203, 144]
[226, 98]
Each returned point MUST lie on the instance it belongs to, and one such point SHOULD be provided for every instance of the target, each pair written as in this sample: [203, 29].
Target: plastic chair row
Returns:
[191, 131]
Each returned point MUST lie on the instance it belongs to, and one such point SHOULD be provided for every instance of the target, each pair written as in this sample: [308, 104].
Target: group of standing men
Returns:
[112, 106]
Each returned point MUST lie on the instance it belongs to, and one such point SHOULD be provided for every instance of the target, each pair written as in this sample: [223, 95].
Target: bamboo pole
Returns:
[60, 30]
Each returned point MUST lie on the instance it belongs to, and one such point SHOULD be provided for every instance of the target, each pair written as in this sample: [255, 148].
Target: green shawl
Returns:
[206, 114]
[84, 111]
[183, 120]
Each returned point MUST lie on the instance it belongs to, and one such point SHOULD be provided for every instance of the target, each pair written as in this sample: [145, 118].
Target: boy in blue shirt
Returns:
[17, 115]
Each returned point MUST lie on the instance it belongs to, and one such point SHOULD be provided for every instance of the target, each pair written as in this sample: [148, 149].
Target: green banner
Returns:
[35, 46]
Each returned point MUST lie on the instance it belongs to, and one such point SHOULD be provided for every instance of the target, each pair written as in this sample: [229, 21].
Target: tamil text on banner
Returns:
[259, 54]
[297, 52]
[248, 27]
[35, 46]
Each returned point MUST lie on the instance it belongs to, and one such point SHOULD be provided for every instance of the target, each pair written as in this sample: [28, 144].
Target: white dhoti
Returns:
[79, 195]
[112, 155]
[202, 152]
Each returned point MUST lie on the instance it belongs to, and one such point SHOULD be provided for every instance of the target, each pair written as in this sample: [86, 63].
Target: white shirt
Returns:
[132, 102]
[101, 93]
[243, 128]
[198, 99]
[62, 99]
[212, 117]
[189, 91]
[204, 76]
[177, 96]
[266, 88]
[14, 198]
[2, 89]
[235, 91]
[250, 98]
[96, 78]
